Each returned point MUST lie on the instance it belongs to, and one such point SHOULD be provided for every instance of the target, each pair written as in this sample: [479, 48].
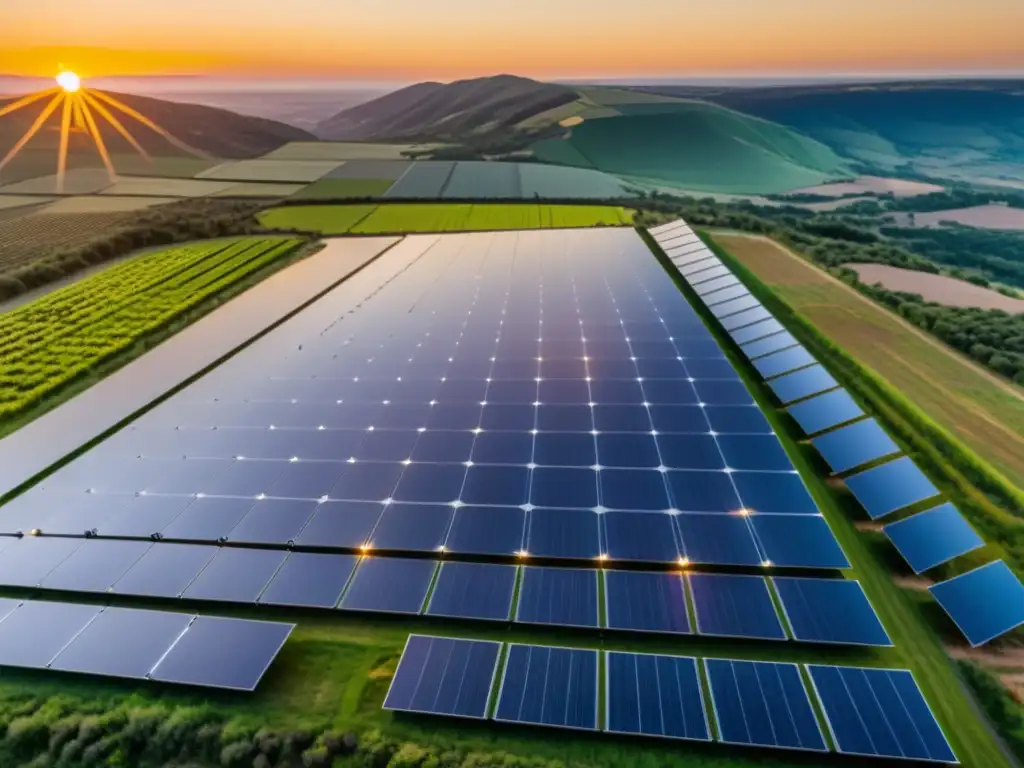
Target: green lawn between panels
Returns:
[393, 218]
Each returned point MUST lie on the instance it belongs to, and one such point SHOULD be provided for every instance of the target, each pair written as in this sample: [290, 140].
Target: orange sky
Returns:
[410, 39]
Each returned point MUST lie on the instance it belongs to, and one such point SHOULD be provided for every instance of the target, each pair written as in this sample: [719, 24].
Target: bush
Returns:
[1005, 712]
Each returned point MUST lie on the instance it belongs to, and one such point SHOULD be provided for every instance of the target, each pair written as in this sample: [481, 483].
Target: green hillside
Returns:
[697, 146]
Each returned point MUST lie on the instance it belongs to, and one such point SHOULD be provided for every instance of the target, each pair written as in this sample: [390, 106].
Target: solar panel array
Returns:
[984, 603]
[877, 712]
[138, 644]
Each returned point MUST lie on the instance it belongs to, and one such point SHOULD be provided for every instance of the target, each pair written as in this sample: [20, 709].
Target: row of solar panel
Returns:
[815, 401]
[138, 644]
[741, 537]
[868, 712]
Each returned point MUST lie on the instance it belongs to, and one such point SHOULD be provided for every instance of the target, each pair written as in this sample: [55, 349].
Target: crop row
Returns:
[48, 343]
[28, 238]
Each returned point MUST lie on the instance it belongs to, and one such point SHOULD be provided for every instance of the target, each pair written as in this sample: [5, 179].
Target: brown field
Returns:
[101, 204]
[983, 411]
[28, 238]
[874, 185]
[982, 216]
[937, 288]
[8, 202]
[78, 181]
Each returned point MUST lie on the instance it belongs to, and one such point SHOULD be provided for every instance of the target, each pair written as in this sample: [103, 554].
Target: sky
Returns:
[450, 39]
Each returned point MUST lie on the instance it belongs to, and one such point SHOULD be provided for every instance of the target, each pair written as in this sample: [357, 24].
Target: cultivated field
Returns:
[27, 238]
[875, 185]
[270, 170]
[152, 185]
[103, 204]
[984, 412]
[81, 181]
[50, 342]
[428, 217]
[344, 150]
[327, 189]
[982, 216]
[8, 202]
[937, 288]
[254, 189]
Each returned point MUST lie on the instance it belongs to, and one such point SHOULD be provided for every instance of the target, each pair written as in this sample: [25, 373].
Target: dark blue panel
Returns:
[561, 596]
[856, 444]
[879, 713]
[633, 489]
[144, 516]
[273, 521]
[757, 331]
[754, 452]
[737, 419]
[690, 451]
[781, 493]
[743, 319]
[931, 538]
[503, 448]
[367, 481]
[655, 696]
[26, 562]
[223, 653]
[236, 575]
[412, 527]
[884, 489]
[386, 445]
[487, 531]
[702, 491]
[389, 585]
[764, 704]
[670, 392]
[306, 479]
[444, 676]
[825, 411]
[830, 611]
[309, 580]
[473, 591]
[716, 539]
[645, 601]
[723, 392]
[734, 606]
[782, 362]
[208, 519]
[443, 447]
[678, 418]
[984, 603]
[628, 450]
[564, 449]
[505, 486]
[798, 541]
[345, 525]
[165, 570]
[564, 533]
[769, 344]
[646, 537]
[710, 368]
[453, 416]
[96, 566]
[616, 392]
[564, 487]
[33, 634]
[629, 418]
[549, 686]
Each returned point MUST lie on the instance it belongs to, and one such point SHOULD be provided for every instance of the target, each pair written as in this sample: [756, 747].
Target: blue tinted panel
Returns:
[96, 566]
[503, 448]
[208, 519]
[931, 538]
[710, 368]
[389, 585]
[722, 294]
[803, 383]
[444, 676]
[731, 307]
[763, 703]
[754, 452]
[884, 489]
[879, 713]
[743, 319]
[564, 487]
[633, 489]
[716, 539]
[984, 603]
[26, 562]
[549, 686]
[655, 696]
[368, 481]
[782, 362]
[33, 634]
[639, 536]
[506, 486]
[781, 493]
[236, 575]
[769, 344]
[688, 451]
[825, 411]
[310, 580]
[702, 491]
[756, 331]
[857, 444]
[734, 606]
[723, 392]
[341, 525]
[830, 611]
[473, 591]
[430, 483]
[273, 521]
[798, 541]
[646, 601]
[737, 419]
[165, 570]
[564, 533]
[487, 531]
[412, 527]
[627, 450]
[560, 596]
[678, 418]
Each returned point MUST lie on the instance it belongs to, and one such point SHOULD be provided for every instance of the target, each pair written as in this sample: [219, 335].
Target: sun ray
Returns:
[62, 154]
[33, 130]
[149, 124]
[118, 126]
[26, 100]
[77, 114]
[98, 139]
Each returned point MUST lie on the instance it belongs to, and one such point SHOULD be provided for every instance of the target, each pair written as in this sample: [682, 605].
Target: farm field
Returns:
[344, 150]
[937, 288]
[102, 204]
[981, 216]
[326, 189]
[270, 170]
[51, 342]
[982, 411]
[29, 237]
[256, 189]
[876, 185]
[152, 185]
[429, 217]
[79, 181]
[369, 169]
[8, 202]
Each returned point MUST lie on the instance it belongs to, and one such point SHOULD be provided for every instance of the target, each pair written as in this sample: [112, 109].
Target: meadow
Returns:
[427, 217]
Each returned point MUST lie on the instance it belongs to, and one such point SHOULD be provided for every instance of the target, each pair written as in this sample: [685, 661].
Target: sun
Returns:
[69, 81]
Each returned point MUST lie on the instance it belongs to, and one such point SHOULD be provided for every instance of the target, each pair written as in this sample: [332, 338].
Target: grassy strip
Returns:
[1002, 708]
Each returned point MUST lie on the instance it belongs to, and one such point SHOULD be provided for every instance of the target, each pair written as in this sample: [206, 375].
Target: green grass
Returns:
[439, 217]
[331, 189]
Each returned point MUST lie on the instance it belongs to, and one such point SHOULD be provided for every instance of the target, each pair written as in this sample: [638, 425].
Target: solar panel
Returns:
[879, 713]
[555, 687]
[803, 383]
[389, 585]
[829, 611]
[473, 591]
[654, 696]
[96, 566]
[572, 534]
[782, 362]
[165, 570]
[768, 344]
[709, 262]
[933, 537]
[444, 676]
[412, 527]
[716, 539]
[743, 319]
[726, 419]
[341, 525]
[705, 290]
[560, 596]
[758, 330]
[850, 447]
[825, 411]
[662, 229]
[690, 254]
[487, 531]
[645, 601]
[708, 273]
[33, 634]
[782, 493]
[122, 642]
[730, 605]
[798, 541]
[889, 487]
[733, 306]
[984, 603]
[761, 453]
[208, 519]
[236, 575]
[26, 562]
[226, 653]
[309, 580]
[639, 537]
